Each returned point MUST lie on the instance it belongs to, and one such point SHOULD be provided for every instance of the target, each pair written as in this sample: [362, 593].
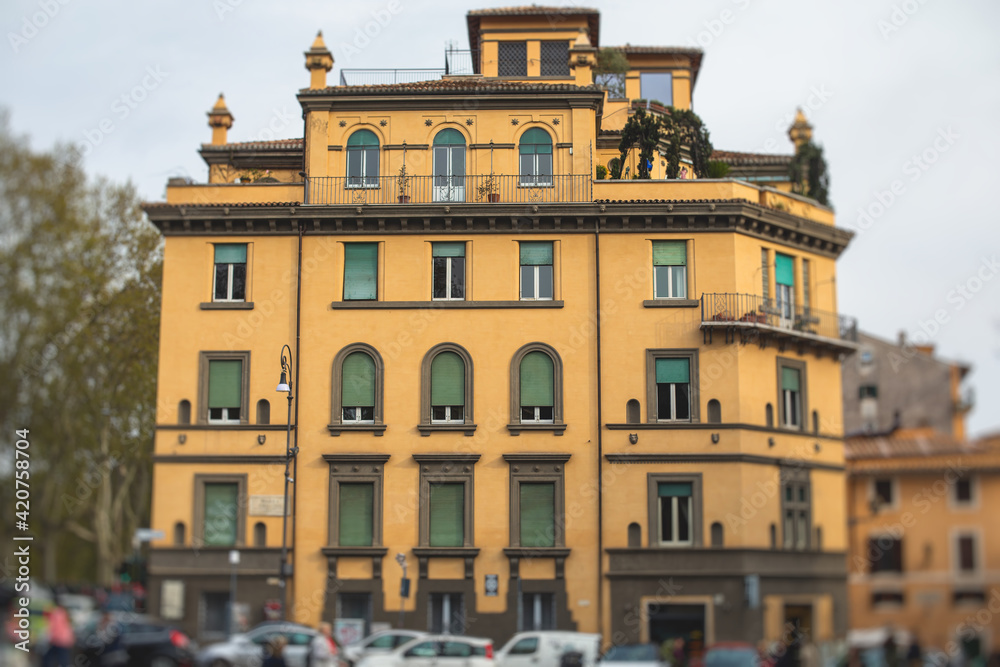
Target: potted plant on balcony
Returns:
[489, 189]
[403, 182]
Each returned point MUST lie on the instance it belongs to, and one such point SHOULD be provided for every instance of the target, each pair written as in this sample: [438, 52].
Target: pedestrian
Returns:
[109, 632]
[914, 656]
[323, 649]
[680, 659]
[273, 653]
[61, 639]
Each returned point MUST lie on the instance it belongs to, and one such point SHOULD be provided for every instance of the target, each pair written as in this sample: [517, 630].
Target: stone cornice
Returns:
[719, 216]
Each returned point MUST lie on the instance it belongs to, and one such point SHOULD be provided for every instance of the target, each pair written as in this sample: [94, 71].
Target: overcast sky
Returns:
[904, 96]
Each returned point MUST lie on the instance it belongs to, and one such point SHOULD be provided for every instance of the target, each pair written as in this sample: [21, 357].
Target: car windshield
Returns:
[731, 657]
[632, 653]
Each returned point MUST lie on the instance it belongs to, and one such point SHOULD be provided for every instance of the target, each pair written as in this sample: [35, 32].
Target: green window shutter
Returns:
[535, 141]
[448, 379]
[764, 273]
[448, 249]
[356, 514]
[363, 138]
[784, 273]
[667, 489]
[225, 383]
[358, 377]
[673, 370]
[449, 137]
[538, 510]
[360, 271]
[536, 253]
[447, 515]
[231, 253]
[221, 512]
[790, 378]
[669, 253]
[537, 374]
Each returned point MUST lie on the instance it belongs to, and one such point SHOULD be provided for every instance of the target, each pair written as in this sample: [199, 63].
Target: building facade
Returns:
[560, 402]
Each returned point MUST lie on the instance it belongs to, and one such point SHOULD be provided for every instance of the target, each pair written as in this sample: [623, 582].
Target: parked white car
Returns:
[436, 651]
[248, 649]
[545, 648]
[384, 641]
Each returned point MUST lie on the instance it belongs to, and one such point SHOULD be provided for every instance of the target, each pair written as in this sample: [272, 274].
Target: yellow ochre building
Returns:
[561, 400]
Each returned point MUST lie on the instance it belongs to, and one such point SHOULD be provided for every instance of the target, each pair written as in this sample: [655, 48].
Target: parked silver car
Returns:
[248, 649]
[383, 641]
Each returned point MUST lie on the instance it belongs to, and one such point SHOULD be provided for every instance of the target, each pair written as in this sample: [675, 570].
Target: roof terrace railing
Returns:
[380, 77]
[504, 189]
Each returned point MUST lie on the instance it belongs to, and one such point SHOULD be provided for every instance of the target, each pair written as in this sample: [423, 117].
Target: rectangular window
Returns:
[784, 278]
[447, 389]
[537, 389]
[446, 511]
[555, 59]
[868, 391]
[538, 512]
[360, 271]
[225, 391]
[967, 597]
[670, 270]
[886, 554]
[675, 513]
[513, 59]
[538, 611]
[449, 271]
[230, 272]
[673, 390]
[356, 606]
[883, 492]
[963, 491]
[967, 553]
[536, 499]
[796, 509]
[887, 598]
[356, 509]
[447, 614]
[791, 397]
[657, 87]
[536, 271]
[221, 513]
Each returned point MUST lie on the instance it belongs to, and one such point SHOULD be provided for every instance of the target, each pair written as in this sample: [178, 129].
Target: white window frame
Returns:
[448, 419]
[538, 419]
[675, 513]
[537, 282]
[224, 418]
[791, 398]
[448, 267]
[673, 292]
[357, 419]
[673, 402]
[228, 298]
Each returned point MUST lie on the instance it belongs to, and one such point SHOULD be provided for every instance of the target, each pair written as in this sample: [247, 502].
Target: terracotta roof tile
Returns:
[531, 10]
[882, 447]
[163, 204]
[629, 49]
[274, 145]
[737, 159]
[455, 85]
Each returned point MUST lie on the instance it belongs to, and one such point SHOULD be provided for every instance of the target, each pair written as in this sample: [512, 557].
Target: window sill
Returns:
[354, 551]
[430, 305]
[556, 429]
[227, 305]
[536, 552]
[427, 429]
[374, 429]
[445, 552]
[671, 303]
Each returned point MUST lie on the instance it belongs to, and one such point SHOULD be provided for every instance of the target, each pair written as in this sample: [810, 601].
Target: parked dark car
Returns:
[147, 641]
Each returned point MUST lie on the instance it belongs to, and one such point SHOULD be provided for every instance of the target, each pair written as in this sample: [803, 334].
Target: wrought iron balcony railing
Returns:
[772, 316]
[378, 77]
[506, 189]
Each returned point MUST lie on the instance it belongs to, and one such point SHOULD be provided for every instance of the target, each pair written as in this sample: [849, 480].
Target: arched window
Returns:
[184, 412]
[536, 158]
[362, 160]
[179, 534]
[634, 535]
[714, 412]
[357, 390]
[769, 416]
[449, 165]
[260, 534]
[632, 415]
[536, 389]
[446, 389]
[716, 534]
[263, 411]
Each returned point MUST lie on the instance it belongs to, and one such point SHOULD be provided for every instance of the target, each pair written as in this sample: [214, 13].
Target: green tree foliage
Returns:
[683, 128]
[808, 173]
[644, 129]
[80, 272]
[717, 169]
[612, 65]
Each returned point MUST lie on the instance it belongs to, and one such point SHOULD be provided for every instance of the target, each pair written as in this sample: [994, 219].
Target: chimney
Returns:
[801, 132]
[902, 338]
[319, 61]
[220, 120]
[583, 59]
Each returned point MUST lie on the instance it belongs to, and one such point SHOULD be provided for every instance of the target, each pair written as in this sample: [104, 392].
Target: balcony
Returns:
[753, 318]
[381, 77]
[507, 189]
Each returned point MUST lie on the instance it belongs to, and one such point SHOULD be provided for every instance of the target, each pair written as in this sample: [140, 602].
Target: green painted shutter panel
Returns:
[669, 253]
[790, 379]
[449, 137]
[356, 514]
[231, 253]
[784, 273]
[221, 511]
[363, 138]
[536, 253]
[447, 515]
[535, 141]
[681, 489]
[448, 379]
[358, 389]
[448, 249]
[360, 271]
[538, 509]
[537, 380]
[673, 370]
[225, 383]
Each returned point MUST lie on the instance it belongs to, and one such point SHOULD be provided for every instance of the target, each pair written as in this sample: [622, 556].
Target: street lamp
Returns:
[285, 386]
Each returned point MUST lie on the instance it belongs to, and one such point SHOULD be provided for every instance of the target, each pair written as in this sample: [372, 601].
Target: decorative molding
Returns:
[375, 553]
[226, 305]
[423, 554]
[375, 429]
[557, 429]
[446, 457]
[243, 459]
[426, 429]
[682, 426]
[722, 458]
[445, 305]
[223, 427]
[671, 303]
[364, 459]
[536, 457]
